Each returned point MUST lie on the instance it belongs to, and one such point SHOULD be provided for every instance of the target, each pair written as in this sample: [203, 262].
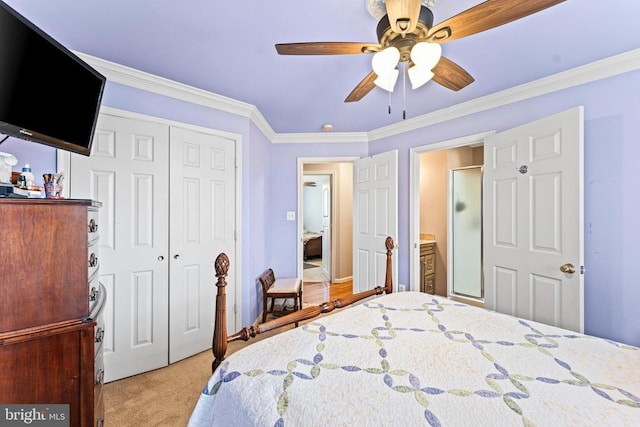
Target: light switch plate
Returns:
[291, 215]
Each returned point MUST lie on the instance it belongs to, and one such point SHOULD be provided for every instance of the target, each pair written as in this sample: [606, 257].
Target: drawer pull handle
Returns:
[100, 423]
[93, 260]
[93, 227]
[99, 335]
[93, 295]
[99, 376]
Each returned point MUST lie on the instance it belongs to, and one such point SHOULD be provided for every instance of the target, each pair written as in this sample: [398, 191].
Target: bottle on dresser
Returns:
[26, 178]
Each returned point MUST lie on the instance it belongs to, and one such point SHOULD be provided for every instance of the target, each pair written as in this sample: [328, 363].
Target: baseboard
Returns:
[343, 279]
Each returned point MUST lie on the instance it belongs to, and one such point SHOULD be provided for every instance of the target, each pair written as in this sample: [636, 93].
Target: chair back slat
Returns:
[267, 279]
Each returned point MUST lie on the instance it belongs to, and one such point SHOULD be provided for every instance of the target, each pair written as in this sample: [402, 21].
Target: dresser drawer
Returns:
[98, 412]
[98, 378]
[94, 291]
[97, 314]
[92, 226]
[92, 260]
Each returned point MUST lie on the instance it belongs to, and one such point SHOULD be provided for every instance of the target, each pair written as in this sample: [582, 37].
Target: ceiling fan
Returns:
[406, 34]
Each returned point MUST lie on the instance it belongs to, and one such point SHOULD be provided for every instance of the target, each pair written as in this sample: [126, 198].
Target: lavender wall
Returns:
[282, 234]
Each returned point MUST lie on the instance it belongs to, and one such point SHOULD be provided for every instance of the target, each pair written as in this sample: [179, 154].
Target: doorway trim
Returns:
[299, 217]
[414, 196]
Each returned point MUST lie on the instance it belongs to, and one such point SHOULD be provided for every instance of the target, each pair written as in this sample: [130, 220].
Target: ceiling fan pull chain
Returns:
[404, 92]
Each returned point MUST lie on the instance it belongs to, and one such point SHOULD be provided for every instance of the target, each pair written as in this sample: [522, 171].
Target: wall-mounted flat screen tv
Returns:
[47, 94]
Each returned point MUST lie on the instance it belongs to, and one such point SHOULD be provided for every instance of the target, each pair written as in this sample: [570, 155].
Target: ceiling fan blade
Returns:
[403, 15]
[450, 75]
[326, 48]
[484, 16]
[364, 87]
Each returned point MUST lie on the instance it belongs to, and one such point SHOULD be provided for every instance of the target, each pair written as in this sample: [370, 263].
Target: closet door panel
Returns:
[202, 225]
[127, 172]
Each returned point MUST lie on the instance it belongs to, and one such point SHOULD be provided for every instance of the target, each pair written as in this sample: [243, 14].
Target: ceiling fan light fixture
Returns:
[387, 81]
[385, 60]
[426, 55]
[419, 76]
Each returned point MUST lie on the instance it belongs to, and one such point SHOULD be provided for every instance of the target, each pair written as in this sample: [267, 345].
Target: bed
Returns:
[312, 244]
[411, 358]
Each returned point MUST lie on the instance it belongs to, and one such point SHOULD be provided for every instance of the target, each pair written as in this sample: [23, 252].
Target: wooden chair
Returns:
[279, 288]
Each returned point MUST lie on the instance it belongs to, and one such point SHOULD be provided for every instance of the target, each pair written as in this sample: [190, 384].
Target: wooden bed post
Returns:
[221, 339]
[219, 344]
[388, 277]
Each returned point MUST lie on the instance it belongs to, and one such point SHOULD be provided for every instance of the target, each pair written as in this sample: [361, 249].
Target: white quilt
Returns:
[413, 359]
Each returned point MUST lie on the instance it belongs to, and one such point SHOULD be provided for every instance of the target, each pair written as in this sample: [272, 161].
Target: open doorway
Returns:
[325, 219]
[431, 224]
[316, 227]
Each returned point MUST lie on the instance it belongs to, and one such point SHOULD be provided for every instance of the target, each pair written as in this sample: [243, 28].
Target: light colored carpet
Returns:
[163, 397]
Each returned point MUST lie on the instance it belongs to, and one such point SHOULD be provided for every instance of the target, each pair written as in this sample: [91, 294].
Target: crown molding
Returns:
[608, 67]
[127, 76]
[597, 70]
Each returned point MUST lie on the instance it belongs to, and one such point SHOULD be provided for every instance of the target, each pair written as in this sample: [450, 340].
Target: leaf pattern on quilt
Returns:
[629, 403]
[461, 393]
[421, 398]
[487, 393]
[288, 380]
[512, 405]
[283, 403]
[624, 393]
[432, 419]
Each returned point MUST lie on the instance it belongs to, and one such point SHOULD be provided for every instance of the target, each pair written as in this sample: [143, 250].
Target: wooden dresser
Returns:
[428, 267]
[51, 305]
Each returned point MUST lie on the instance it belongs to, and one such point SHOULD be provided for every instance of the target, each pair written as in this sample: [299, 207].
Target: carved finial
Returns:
[389, 243]
[222, 265]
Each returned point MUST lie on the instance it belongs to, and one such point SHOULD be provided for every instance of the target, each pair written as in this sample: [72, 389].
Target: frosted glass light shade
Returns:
[387, 81]
[419, 76]
[385, 60]
[426, 55]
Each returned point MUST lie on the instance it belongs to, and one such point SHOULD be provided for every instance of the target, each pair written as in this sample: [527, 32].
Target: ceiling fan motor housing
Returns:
[387, 37]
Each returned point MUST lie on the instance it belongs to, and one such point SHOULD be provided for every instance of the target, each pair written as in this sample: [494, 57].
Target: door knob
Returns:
[176, 256]
[567, 268]
[160, 258]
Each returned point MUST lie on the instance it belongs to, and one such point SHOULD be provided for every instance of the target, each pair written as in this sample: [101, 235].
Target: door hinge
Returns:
[235, 308]
[582, 269]
[235, 235]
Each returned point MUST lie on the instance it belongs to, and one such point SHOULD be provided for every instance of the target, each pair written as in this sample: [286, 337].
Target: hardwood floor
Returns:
[319, 292]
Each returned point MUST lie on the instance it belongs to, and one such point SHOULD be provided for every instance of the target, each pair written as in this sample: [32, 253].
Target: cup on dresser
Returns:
[52, 190]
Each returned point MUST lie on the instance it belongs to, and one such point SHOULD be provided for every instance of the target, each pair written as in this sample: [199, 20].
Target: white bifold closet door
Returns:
[168, 209]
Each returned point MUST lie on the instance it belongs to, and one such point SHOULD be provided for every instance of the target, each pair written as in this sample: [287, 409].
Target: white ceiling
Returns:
[227, 48]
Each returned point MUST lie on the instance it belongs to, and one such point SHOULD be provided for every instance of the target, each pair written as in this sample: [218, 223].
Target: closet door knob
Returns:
[567, 268]
[176, 256]
[160, 258]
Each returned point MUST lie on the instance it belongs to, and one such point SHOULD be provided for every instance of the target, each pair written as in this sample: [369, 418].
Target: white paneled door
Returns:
[127, 172]
[202, 225]
[375, 217]
[533, 221]
[158, 273]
